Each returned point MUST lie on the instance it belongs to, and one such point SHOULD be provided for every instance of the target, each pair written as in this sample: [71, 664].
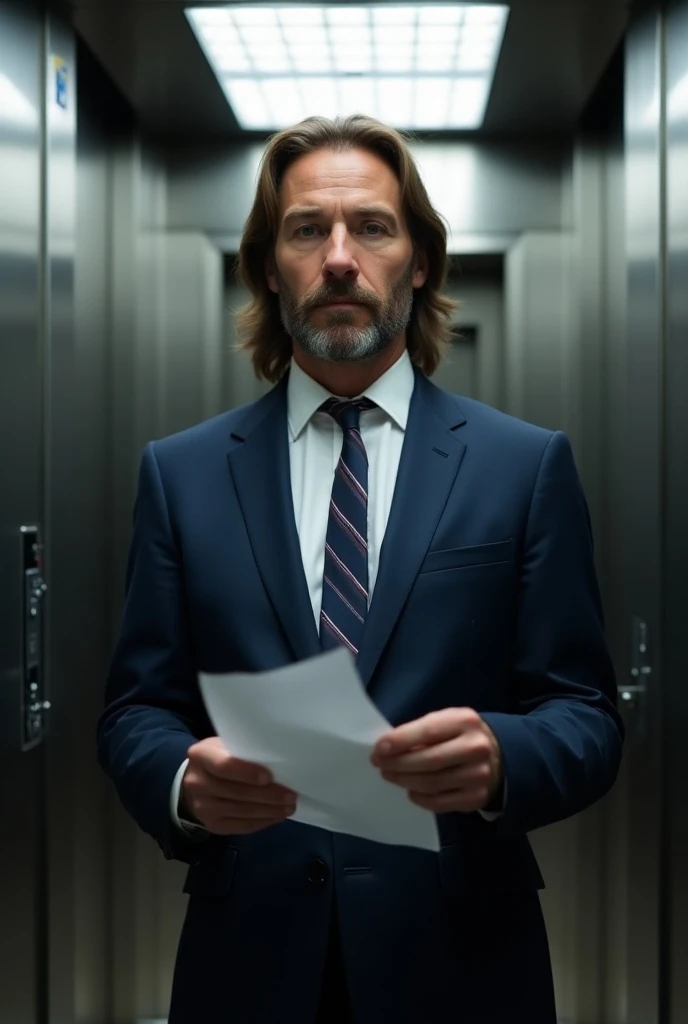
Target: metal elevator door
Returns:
[635, 440]
[22, 780]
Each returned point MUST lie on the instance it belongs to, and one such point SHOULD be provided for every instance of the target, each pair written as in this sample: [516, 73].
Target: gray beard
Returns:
[342, 341]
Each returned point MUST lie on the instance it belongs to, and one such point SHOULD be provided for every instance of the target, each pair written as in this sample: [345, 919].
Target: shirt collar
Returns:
[391, 392]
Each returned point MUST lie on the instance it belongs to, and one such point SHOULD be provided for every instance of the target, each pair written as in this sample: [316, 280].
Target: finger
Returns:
[464, 802]
[200, 784]
[469, 748]
[434, 728]
[223, 811]
[224, 766]
[465, 777]
[270, 796]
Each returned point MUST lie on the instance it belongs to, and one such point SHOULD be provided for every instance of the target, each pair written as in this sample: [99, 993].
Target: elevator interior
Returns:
[124, 183]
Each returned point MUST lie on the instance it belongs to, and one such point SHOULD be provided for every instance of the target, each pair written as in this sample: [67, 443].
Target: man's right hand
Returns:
[225, 795]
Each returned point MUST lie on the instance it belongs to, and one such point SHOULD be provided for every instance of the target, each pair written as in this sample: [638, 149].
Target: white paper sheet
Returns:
[314, 726]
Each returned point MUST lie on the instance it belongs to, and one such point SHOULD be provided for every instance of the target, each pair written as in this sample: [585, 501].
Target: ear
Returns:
[420, 269]
[271, 274]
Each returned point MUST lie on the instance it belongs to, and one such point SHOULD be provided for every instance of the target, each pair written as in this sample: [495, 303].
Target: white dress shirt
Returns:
[315, 444]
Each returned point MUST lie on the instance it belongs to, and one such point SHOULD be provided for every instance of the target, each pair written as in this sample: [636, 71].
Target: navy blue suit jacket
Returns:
[486, 597]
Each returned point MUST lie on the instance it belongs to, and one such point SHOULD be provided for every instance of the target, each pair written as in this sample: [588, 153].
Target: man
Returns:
[445, 544]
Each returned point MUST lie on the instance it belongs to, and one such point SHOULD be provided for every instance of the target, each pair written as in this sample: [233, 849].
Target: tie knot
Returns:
[347, 414]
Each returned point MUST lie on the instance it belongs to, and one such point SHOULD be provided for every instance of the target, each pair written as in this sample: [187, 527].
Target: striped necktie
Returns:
[345, 581]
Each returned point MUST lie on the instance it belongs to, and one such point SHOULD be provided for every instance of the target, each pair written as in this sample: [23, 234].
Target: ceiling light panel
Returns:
[422, 66]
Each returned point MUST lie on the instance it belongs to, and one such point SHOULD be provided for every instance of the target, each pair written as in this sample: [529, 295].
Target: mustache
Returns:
[334, 293]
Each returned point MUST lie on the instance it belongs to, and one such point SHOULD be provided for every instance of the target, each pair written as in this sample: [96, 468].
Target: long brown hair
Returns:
[259, 323]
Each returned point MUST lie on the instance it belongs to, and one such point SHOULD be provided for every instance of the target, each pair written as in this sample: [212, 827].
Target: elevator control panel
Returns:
[34, 706]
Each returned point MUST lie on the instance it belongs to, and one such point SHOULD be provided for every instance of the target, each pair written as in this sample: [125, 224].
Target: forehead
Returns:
[328, 176]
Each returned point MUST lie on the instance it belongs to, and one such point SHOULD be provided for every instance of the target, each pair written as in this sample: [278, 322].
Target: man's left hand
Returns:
[449, 760]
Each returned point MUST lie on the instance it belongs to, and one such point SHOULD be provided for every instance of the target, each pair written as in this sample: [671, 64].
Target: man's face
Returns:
[343, 264]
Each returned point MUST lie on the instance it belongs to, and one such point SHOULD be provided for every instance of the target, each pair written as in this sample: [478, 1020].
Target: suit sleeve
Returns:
[562, 746]
[153, 708]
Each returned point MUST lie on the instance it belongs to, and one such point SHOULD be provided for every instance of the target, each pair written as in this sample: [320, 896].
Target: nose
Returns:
[340, 263]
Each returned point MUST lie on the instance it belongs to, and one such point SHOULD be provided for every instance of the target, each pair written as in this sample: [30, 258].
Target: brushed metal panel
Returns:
[76, 546]
[475, 368]
[61, 624]
[614, 565]
[538, 328]
[639, 519]
[239, 383]
[127, 245]
[588, 910]
[22, 949]
[676, 549]
[189, 357]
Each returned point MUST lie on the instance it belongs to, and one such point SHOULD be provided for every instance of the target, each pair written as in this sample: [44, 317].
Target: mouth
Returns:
[341, 303]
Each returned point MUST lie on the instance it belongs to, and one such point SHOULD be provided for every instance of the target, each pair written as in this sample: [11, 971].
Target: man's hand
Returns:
[449, 760]
[229, 796]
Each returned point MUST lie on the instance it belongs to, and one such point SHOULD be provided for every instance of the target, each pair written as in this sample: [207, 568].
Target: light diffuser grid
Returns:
[419, 66]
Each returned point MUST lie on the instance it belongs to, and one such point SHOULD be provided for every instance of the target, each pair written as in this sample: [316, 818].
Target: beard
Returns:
[341, 340]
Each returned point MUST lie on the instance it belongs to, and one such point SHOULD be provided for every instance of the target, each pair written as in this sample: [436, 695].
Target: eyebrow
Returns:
[364, 211]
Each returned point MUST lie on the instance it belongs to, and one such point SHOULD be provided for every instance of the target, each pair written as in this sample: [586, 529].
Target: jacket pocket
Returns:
[467, 868]
[211, 877]
[459, 558]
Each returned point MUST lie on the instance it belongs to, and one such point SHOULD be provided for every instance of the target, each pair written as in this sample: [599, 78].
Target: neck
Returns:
[347, 380]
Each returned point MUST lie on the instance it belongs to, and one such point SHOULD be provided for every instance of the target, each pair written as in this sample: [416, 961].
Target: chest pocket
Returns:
[461, 558]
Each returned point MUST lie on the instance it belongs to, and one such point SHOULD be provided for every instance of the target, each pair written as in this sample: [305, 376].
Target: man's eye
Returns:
[305, 229]
[377, 229]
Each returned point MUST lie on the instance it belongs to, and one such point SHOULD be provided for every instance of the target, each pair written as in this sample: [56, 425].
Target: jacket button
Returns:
[317, 872]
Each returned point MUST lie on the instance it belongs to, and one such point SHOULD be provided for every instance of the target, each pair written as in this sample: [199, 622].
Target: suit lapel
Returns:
[430, 460]
[259, 463]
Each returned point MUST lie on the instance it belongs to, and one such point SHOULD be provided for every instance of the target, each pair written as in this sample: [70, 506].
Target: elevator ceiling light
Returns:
[421, 66]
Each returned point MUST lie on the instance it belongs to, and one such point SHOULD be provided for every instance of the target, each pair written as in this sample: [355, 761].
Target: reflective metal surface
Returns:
[676, 549]
[75, 416]
[22, 944]
[638, 845]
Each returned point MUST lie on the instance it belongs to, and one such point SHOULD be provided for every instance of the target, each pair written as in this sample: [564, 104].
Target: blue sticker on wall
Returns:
[60, 82]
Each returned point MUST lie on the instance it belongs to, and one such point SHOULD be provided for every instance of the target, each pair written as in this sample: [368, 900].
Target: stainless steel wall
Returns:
[539, 328]
[54, 921]
[676, 498]
[240, 384]
[635, 846]
[74, 496]
[617, 897]
[584, 355]
[480, 294]
[602, 272]
[23, 959]
[71, 601]
[190, 371]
